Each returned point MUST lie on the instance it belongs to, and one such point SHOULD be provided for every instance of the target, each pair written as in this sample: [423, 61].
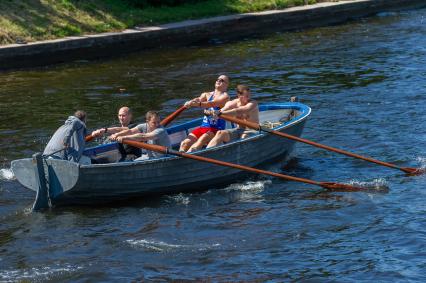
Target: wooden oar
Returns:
[163, 123]
[172, 116]
[408, 170]
[162, 149]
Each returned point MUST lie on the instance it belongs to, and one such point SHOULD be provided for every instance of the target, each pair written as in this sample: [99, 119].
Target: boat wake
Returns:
[159, 246]
[422, 161]
[178, 199]
[375, 186]
[252, 186]
[38, 273]
[249, 191]
[6, 174]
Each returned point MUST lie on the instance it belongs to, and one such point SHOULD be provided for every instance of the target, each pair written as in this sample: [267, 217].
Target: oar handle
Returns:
[89, 138]
[165, 150]
[412, 171]
[172, 116]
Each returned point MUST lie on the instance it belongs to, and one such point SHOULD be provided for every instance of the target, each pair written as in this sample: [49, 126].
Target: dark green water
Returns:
[365, 82]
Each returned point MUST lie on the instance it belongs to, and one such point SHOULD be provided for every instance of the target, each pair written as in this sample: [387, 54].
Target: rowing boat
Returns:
[61, 182]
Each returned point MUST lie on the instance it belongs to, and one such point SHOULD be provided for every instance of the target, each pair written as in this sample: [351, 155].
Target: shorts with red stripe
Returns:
[198, 132]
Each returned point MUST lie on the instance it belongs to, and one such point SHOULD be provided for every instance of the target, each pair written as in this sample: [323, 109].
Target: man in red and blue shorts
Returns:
[211, 101]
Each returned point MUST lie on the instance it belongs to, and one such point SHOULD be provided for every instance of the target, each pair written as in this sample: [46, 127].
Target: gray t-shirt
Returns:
[160, 138]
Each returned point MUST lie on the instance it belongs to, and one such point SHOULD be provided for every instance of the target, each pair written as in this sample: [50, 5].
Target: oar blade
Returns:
[413, 171]
[372, 187]
[341, 187]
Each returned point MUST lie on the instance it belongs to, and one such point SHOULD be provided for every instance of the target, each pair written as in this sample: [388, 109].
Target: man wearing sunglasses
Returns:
[211, 101]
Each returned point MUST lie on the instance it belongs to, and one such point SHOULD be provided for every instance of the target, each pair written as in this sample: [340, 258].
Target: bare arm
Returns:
[240, 110]
[131, 131]
[135, 137]
[218, 101]
[228, 105]
[112, 130]
[196, 101]
[141, 136]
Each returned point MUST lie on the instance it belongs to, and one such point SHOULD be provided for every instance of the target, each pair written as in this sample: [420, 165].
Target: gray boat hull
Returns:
[70, 183]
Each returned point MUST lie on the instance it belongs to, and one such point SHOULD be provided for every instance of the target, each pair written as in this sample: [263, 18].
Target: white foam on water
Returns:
[377, 185]
[37, 273]
[6, 174]
[179, 199]
[160, 246]
[253, 186]
[422, 161]
[249, 191]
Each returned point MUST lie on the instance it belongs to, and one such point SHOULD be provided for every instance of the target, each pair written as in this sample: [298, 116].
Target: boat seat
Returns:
[177, 137]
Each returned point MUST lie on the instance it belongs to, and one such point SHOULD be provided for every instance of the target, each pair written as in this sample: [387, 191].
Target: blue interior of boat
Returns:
[179, 132]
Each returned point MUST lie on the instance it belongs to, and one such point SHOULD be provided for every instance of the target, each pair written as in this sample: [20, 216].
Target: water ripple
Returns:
[6, 174]
[365, 83]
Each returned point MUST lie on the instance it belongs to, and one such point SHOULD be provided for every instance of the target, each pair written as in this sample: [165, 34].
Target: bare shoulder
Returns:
[253, 103]
[205, 94]
[233, 102]
[223, 96]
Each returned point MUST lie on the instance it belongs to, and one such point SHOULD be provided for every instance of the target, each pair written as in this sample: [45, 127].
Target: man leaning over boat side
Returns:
[125, 117]
[213, 100]
[68, 142]
[244, 108]
[151, 132]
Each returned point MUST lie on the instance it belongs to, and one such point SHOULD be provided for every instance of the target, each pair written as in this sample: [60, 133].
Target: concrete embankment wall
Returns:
[105, 45]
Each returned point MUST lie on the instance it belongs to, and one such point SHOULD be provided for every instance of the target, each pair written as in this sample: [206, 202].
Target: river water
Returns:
[365, 81]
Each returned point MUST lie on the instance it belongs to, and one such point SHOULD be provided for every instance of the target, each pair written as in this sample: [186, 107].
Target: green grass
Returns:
[32, 20]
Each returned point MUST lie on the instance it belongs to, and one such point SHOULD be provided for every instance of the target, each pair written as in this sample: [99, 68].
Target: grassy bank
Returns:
[31, 20]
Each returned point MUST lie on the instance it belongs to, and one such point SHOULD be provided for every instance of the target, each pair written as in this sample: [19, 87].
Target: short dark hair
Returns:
[80, 115]
[151, 114]
[242, 88]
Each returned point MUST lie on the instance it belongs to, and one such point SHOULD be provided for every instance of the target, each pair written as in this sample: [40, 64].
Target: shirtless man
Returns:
[151, 132]
[125, 117]
[209, 100]
[243, 108]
